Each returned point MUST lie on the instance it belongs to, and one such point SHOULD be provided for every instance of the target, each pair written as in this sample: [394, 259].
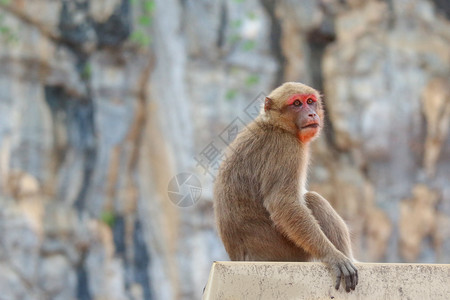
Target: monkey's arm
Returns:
[330, 222]
[296, 222]
[290, 214]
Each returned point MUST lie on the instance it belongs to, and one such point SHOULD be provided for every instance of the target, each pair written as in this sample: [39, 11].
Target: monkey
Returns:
[262, 209]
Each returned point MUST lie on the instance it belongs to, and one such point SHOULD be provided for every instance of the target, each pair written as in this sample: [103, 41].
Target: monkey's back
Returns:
[243, 223]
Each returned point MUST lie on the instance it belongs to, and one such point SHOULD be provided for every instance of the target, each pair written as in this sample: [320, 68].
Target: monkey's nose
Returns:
[313, 115]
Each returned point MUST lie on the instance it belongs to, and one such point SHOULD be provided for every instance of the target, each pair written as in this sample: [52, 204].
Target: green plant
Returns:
[140, 38]
[108, 217]
[145, 19]
[249, 45]
[7, 33]
[149, 6]
[236, 23]
[231, 94]
[86, 71]
[251, 15]
[235, 38]
[252, 80]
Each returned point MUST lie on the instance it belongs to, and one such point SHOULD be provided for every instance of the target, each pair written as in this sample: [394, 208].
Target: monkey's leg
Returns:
[330, 222]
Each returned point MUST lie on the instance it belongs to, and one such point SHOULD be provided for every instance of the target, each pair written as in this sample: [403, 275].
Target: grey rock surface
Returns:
[103, 102]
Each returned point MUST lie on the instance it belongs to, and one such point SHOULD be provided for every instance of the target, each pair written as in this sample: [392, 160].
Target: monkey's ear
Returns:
[268, 104]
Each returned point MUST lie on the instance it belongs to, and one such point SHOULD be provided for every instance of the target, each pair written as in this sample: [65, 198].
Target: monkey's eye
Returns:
[310, 101]
[297, 103]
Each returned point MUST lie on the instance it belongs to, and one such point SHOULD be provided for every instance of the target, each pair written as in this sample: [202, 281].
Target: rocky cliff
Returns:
[104, 102]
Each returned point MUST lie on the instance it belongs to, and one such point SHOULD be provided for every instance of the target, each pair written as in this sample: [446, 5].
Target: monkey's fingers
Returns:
[338, 278]
[341, 275]
[355, 278]
[347, 277]
[352, 278]
[354, 274]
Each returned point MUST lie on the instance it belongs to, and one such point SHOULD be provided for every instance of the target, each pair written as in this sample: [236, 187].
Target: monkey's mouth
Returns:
[312, 125]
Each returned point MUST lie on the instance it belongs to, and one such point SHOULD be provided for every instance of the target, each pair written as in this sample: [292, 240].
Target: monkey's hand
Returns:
[343, 267]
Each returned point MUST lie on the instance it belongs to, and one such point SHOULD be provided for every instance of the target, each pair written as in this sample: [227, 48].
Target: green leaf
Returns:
[145, 20]
[252, 80]
[235, 38]
[5, 30]
[236, 23]
[86, 73]
[140, 38]
[149, 6]
[235, 70]
[231, 94]
[251, 15]
[108, 218]
[249, 45]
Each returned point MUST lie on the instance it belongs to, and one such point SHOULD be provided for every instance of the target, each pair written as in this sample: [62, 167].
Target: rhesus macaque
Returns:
[263, 210]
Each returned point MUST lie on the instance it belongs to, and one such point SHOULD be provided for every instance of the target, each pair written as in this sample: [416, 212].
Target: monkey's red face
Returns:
[305, 110]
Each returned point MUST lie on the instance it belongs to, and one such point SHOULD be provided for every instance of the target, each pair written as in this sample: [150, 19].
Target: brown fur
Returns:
[262, 208]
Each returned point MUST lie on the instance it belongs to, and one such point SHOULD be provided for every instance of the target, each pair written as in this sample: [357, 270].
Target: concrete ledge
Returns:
[293, 280]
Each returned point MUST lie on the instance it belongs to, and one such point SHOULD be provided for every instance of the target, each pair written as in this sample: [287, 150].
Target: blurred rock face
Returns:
[103, 102]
